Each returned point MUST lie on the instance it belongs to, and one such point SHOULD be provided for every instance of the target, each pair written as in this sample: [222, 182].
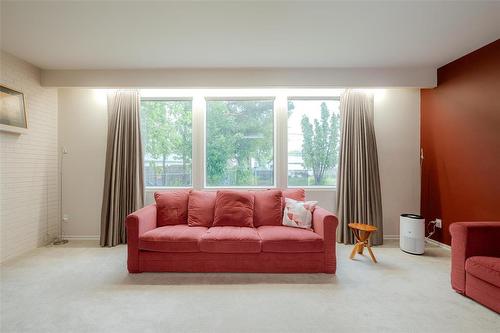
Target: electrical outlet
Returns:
[439, 223]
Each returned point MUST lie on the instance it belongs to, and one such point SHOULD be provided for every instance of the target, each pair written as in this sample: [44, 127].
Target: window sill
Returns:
[215, 188]
[161, 188]
[239, 187]
[316, 188]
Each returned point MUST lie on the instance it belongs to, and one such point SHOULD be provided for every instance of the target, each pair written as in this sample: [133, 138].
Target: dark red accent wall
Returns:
[460, 137]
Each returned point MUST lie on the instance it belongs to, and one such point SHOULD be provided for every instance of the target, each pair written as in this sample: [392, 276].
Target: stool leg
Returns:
[354, 249]
[371, 253]
[356, 245]
[360, 248]
[363, 236]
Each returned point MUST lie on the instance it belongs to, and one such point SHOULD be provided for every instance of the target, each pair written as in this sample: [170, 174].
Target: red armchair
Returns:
[475, 261]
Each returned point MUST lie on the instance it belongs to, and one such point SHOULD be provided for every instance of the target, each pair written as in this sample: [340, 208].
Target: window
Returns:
[239, 143]
[229, 138]
[166, 127]
[313, 142]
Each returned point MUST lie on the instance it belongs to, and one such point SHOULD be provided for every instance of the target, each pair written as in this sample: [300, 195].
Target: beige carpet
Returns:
[84, 288]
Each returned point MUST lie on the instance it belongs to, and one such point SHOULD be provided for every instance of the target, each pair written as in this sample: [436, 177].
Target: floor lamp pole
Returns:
[59, 240]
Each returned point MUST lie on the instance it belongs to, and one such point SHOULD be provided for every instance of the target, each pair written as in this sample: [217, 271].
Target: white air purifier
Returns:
[412, 233]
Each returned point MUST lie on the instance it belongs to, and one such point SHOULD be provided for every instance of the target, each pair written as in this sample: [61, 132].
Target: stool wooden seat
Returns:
[362, 234]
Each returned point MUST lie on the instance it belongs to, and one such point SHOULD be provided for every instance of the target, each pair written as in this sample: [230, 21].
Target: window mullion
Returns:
[281, 147]
[198, 142]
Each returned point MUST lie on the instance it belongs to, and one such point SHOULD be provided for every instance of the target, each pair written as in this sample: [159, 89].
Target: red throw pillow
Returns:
[267, 208]
[297, 194]
[172, 207]
[234, 208]
[201, 208]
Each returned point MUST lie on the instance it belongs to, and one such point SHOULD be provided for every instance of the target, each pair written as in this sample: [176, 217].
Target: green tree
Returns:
[181, 136]
[154, 127]
[166, 131]
[321, 143]
[237, 132]
[220, 141]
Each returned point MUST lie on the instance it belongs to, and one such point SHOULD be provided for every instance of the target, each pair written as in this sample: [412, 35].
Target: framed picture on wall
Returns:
[12, 111]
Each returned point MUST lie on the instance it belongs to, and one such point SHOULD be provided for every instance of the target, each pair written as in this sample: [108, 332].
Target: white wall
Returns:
[83, 132]
[397, 128]
[29, 190]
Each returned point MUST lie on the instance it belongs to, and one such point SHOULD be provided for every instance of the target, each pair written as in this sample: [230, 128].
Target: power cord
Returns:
[430, 233]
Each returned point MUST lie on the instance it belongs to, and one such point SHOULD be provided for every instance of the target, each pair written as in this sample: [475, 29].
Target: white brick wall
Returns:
[29, 182]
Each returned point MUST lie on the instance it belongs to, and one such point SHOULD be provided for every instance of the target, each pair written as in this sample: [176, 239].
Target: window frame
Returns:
[199, 99]
[307, 98]
[207, 99]
[172, 99]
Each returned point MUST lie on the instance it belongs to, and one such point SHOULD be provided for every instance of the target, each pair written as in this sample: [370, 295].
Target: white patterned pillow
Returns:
[298, 214]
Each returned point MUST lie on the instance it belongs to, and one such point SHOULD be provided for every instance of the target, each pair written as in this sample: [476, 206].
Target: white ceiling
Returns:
[133, 35]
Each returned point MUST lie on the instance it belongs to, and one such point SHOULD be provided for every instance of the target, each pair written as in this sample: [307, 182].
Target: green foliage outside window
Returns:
[166, 128]
[313, 142]
[321, 143]
[239, 143]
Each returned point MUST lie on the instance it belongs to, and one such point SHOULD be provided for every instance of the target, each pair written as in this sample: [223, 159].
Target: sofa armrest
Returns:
[325, 224]
[470, 239]
[137, 223]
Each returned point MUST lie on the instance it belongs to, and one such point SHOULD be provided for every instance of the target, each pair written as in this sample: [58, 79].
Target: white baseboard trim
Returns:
[430, 241]
[83, 237]
[391, 237]
[438, 244]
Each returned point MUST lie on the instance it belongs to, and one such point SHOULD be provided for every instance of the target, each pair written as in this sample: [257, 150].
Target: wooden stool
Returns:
[362, 233]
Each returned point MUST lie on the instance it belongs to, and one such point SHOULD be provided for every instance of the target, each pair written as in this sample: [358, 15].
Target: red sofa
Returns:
[266, 246]
[475, 261]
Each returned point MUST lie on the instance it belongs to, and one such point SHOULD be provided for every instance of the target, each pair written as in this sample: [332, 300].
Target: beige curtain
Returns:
[358, 191]
[124, 181]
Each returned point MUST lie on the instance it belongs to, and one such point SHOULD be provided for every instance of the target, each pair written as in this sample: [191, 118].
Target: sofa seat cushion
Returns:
[172, 238]
[287, 239]
[484, 268]
[230, 239]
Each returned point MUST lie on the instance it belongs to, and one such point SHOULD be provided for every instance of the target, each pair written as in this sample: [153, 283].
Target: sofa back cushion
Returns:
[201, 208]
[172, 207]
[234, 208]
[297, 194]
[267, 208]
